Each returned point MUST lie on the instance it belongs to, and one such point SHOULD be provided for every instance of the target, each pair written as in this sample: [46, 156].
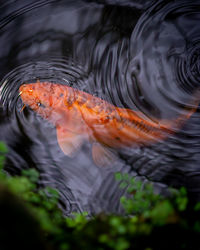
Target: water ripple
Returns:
[164, 60]
[144, 56]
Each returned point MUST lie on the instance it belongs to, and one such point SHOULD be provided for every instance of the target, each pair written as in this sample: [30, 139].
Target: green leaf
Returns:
[161, 212]
[197, 206]
[126, 176]
[115, 221]
[121, 244]
[103, 238]
[32, 174]
[118, 176]
[3, 148]
[123, 184]
[181, 203]
[197, 226]
[183, 191]
[131, 189]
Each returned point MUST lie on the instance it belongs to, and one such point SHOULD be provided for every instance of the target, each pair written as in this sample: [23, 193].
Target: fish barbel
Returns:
[79, 116]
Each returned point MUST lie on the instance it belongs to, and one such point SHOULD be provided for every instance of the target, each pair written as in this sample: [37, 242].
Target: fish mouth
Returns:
[25, 88]
[20, 93]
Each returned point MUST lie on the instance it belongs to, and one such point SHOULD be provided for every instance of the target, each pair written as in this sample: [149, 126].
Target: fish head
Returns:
[41, 97]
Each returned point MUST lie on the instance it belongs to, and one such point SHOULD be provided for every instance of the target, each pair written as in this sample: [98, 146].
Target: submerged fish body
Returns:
[79, 116]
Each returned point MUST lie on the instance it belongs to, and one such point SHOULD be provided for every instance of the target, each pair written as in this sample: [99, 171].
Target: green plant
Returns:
[3, 151]
[143, 201]
[149, 216]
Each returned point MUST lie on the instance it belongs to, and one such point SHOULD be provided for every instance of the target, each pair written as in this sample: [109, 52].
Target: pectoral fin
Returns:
[69, 142]
[102, 156]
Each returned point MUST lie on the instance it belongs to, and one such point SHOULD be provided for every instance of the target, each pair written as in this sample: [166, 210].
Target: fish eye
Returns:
[40, 105]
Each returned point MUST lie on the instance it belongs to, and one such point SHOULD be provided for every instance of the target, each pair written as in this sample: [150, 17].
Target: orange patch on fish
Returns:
[79, 116]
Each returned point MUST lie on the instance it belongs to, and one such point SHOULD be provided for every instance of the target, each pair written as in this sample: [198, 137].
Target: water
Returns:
[142, 55]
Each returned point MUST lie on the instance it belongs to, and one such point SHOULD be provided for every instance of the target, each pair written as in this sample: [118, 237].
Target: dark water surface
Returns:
[142, 55]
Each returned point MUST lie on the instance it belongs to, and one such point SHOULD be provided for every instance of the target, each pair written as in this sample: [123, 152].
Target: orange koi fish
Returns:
[79, 116]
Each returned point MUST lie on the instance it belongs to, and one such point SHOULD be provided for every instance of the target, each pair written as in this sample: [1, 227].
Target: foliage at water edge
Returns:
[151, 221]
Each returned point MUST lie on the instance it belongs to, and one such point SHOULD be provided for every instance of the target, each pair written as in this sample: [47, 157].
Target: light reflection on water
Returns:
[139, 56]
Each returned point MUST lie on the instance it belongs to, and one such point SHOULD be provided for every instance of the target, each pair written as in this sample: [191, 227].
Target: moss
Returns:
[30, 216]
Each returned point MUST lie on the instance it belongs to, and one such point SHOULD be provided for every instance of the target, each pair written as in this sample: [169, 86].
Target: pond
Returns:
[137, 55]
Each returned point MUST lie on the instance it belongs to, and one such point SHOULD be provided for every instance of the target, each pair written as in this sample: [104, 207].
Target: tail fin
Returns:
[187, 113]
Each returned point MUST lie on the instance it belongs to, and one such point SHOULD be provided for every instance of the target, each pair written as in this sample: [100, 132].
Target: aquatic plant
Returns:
[151, 221]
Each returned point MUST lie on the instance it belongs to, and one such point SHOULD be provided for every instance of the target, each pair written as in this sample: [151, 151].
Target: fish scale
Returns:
[79, 116]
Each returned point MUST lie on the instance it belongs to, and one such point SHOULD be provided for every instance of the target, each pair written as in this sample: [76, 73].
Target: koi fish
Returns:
[79, 116]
